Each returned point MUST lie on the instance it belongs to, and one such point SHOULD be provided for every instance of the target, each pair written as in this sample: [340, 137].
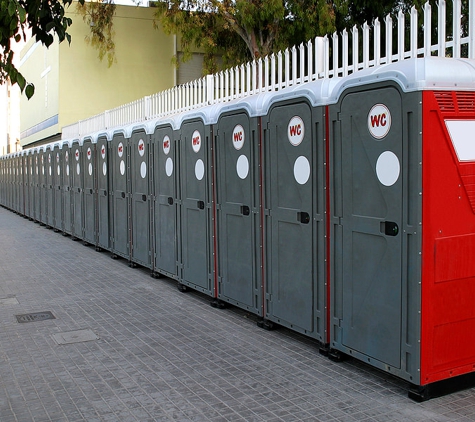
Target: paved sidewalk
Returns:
[126, 347]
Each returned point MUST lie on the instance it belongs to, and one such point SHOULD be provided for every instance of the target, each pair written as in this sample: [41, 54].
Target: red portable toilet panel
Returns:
[448, 235]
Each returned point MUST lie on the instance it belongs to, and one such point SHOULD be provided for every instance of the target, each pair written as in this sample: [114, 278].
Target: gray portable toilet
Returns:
[194, 137]
[140, 204]
[294, 208]
[30, 186]
[15, 182]
[26, 184]
[236, 147]
[165, 227]
[66, 169]
[57, 157]
[42, 185]
[77, 189]
[35, 185]
[403, 217]
[103, 191]
[90, 195]
[49, 186]
[119, 184]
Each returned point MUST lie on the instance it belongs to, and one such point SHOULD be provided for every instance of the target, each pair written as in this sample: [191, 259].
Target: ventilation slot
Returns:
[466, 101]
[446, 101]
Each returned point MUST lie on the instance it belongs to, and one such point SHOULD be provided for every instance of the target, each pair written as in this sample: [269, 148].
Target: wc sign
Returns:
[379, 121]
[295, 130]
[238, 137]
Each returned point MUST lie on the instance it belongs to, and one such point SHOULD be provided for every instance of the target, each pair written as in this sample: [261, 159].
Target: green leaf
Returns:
[29, 90]
[18, 37]
[11, 8]
[22, 13]
[20, 80]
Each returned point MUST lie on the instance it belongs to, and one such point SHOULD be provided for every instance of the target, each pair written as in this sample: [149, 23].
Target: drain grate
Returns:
[35, 316]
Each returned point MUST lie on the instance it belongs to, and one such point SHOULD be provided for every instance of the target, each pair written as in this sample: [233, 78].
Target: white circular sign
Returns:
[141, 147]
[122, 167]
[89, 153]
[238, 137]
[242, 167]
[76, 154]
[379, 121]
[67, 169]
[143, 169]
[295, 130]
[78, 168]
[57, 157]
[388, 168]
[199, 169]
[301, 170]
[169, 167]
[90, 169]
[104, 168]
[103, 151]
[59, 170]
[120, 149]
[196, 141]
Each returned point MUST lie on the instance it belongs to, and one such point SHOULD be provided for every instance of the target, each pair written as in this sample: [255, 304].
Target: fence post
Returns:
[377, 42]
[413, 31]
[457, 18]
[471, 29]
[209, 89]
[400, 35]
[441, 28]
[335, 53]
[427, 29]
[389, 38]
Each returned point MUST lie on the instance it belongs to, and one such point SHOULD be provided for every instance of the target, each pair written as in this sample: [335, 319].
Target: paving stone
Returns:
[162, 355]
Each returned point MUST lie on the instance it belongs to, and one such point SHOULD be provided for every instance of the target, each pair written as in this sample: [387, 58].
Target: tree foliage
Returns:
[98, 15]
[243, 29]
[44, 17]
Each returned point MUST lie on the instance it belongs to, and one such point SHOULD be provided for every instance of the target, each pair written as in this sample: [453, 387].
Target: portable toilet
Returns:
[90, 189]
[42, 185]
[236, 152]
[193, 135]
[77, 189]
[49, 186]
[165, 204]
[402, 217]
[120, 193]
[57, 157]
[67, 163]
[26, 184]
[103, 191]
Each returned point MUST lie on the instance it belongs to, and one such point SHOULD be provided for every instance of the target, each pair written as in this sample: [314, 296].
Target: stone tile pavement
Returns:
[160, 355]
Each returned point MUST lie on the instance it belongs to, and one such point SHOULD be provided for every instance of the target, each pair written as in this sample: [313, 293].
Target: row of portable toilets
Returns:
[342, 209]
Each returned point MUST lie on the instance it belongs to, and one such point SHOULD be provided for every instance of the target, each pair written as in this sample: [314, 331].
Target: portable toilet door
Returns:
[236, 152]
[89, 177]
[29, 186]
[294, 210]
[57, 192]
[140, 198]
[103, 193]
[119, 172]
[42, 183]
[26, 184]
[77, 190]
[67, 166]
[49, 176]
[196, 208]
[15, 179]
[35, 185]
[165, 201]
[375, 205]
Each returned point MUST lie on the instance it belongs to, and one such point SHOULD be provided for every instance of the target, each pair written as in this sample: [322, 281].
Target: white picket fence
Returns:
[319, 58]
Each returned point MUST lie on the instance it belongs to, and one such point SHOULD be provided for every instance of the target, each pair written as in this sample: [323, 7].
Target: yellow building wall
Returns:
[40, 67]
[88, 86]
[77, 85]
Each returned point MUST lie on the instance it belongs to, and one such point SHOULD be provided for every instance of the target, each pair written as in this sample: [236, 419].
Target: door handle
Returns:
[389, 228]
[122, 194]
[144, 198]
[245, 210]
[303, 217]
[170, 200]
[201, 205]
